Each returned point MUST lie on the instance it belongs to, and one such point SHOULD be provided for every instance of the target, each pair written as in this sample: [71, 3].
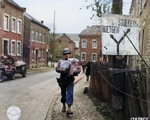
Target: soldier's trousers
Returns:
[67, 93]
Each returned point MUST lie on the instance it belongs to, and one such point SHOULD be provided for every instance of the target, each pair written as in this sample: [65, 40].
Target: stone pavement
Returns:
[82, 108]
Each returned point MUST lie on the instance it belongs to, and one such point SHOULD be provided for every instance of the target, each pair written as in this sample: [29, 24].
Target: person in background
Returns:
[83, 66]
[87, 71]
[5, 60]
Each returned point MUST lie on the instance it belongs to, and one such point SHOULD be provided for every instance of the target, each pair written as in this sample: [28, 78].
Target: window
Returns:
[32, 35]
[84, 43]
[33, 54]
[83, 56]
[43, 38]
[0, 19]
[5, 46]
[40, 54]
[36, 36]
[144, 2]
[142, 49]
[19, 28]
[13, 47]
[6, 22]
[13, 24]
[94, 57]
[46, 40]
[94, 44]
[18, 48]
[40, 37]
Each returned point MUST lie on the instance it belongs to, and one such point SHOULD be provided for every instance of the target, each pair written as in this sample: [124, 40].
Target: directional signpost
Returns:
[115, 29]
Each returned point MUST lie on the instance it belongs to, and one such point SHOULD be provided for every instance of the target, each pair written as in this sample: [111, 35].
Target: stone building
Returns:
[90, 44]
[141, 9]
[36, 42]
[66, 41]
[11, 29]
[75, 38]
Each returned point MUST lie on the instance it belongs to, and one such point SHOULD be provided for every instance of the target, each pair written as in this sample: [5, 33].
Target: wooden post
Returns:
[148, 88]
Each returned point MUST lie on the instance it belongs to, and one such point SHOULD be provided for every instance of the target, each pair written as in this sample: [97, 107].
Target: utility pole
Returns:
[0, 26]
[53, 42]
[117, 6]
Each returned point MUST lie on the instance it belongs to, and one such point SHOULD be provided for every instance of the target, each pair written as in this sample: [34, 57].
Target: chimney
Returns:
[24, 9]
[87, 26]
[42, 21]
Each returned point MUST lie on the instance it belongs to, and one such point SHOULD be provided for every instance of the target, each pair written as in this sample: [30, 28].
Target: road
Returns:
[32, 95]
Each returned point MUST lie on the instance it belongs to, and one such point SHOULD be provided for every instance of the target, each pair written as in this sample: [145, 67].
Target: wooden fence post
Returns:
[148, 88]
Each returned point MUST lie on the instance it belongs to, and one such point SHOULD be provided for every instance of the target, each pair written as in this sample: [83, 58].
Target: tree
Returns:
[100, 7]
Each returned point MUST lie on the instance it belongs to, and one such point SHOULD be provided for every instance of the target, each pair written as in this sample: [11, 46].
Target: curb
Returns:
[40, 70]
[51, 103]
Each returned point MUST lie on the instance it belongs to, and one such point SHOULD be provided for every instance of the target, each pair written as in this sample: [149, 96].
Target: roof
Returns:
[90, 31]
[35, 20]
[74, 37]
[15, 4]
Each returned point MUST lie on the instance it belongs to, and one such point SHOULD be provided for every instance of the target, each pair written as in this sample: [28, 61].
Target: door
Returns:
[5, 47]
[36, 56]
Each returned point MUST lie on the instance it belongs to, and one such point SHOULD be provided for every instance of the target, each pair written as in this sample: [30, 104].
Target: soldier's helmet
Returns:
[66, 51]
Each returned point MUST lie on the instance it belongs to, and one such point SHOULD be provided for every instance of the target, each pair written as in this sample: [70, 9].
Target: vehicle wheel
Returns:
[2, 76]
[12, 76]
[23, 71]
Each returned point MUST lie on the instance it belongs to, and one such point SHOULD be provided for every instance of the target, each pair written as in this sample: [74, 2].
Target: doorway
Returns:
[5, 47]
[36, 56]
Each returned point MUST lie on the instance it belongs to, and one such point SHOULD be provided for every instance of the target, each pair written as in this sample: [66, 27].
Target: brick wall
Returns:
[37, 46]
[26, 41]
[89, 50]
[16, 13]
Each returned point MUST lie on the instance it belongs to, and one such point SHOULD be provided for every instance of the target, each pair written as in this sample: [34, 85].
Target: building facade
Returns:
[11, 29]
[36, 42]
[61, 42]
[90, 44]
[75, 38]
[140, 8]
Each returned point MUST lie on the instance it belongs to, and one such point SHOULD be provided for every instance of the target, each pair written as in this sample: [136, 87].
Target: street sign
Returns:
[115, 29]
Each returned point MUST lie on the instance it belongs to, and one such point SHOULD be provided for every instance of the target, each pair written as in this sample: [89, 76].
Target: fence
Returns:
[122, 89]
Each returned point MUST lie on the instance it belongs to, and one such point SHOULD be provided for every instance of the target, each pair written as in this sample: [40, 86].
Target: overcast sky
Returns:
[68, 16]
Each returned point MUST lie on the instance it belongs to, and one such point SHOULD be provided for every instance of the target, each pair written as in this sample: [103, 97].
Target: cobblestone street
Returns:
[83, 108]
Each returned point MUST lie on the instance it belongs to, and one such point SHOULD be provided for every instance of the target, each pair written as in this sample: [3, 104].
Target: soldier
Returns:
[66, 82]
[4, 60]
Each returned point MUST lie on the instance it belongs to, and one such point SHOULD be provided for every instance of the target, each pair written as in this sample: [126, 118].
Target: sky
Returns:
[68, 16]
